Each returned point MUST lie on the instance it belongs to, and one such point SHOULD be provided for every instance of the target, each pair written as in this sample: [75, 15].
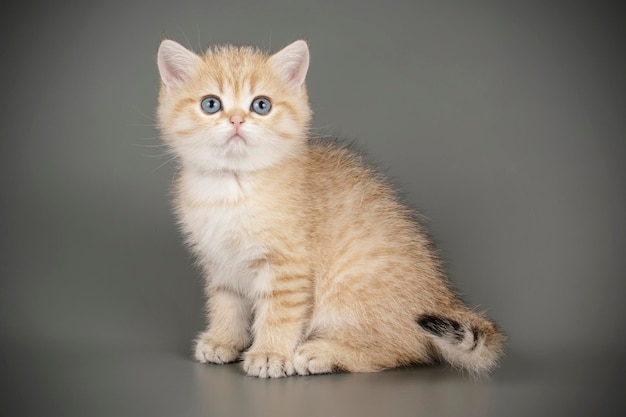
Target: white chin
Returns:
[237, 147]
[238, 154]
[236, 157]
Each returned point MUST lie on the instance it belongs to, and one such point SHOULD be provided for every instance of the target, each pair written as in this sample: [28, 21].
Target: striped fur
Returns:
[312, 263]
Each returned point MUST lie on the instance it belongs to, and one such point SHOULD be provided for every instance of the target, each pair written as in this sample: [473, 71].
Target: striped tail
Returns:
[468, 341]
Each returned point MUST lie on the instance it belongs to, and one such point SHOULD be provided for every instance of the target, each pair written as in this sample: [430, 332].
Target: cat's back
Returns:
[355, 204]
[341, 177]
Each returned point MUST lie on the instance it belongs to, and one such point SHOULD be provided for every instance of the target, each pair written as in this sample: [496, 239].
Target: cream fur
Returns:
[312, 263]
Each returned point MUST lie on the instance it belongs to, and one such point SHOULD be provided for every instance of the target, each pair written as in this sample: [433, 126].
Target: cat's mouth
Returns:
[237, 138]
[237, 145]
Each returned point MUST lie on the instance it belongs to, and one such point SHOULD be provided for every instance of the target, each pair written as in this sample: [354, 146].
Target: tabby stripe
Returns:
[279, 293]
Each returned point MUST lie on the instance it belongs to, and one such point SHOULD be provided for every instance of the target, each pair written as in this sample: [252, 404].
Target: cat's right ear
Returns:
[175, 63]
[292, 62]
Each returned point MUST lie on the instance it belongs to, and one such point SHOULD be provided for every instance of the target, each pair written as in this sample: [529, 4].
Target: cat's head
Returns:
[233, 108]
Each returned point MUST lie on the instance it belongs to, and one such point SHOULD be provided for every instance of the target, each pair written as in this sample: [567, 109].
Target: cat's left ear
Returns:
[292, 62]
[176, 63]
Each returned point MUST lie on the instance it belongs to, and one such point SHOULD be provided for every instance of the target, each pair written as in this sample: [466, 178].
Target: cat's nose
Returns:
[236, 121]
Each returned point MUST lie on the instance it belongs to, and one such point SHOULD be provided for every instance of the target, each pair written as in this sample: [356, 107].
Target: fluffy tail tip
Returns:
[472, 342]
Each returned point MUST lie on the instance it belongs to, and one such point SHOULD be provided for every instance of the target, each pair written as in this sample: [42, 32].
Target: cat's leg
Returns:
[280, 314]
[228, 331]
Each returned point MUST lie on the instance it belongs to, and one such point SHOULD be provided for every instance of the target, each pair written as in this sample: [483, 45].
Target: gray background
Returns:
[504, 123]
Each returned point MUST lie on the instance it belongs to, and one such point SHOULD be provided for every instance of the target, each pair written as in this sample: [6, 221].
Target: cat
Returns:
[313, 264]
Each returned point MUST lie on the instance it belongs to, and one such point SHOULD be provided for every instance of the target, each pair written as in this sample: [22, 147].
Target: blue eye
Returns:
[261, 105]
[211, 104]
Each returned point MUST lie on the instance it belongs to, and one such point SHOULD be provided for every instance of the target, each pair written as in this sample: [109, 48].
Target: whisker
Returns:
[142, 125]
[150, 138]
[158, 156]
[145, 116]
[199, 42]
[163, 164]
[189, 45]
[323, 137]
[139, 145]
[323, 127]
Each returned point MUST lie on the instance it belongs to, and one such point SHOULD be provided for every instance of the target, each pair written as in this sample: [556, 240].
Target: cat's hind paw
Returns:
[267, 364]
[208, 350]
[316, 357]
[309, 361]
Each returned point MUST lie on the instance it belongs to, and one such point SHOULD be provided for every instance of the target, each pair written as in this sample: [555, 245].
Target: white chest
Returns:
[220, 217]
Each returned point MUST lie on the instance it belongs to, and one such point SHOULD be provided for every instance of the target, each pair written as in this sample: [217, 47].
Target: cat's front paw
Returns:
[265, 364]
[210, 350]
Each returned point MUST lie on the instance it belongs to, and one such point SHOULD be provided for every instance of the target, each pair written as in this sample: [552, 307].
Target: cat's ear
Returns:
[175, 62]
[292, 62]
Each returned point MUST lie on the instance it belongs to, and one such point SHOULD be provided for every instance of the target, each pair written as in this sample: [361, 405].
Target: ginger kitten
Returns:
[312, 263]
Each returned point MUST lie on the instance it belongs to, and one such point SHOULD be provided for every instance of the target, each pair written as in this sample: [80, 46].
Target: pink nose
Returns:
[236, 121]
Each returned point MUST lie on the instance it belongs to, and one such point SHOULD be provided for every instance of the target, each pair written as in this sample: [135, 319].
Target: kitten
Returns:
[312, 263]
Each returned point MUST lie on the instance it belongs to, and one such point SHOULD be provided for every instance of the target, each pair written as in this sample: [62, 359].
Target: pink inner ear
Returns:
[175, 62]
[174, 74]
[298, 74]
[292, 62]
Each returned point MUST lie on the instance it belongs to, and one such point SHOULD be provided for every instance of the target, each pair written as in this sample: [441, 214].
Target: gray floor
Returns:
[504, 124]
[72, 381]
